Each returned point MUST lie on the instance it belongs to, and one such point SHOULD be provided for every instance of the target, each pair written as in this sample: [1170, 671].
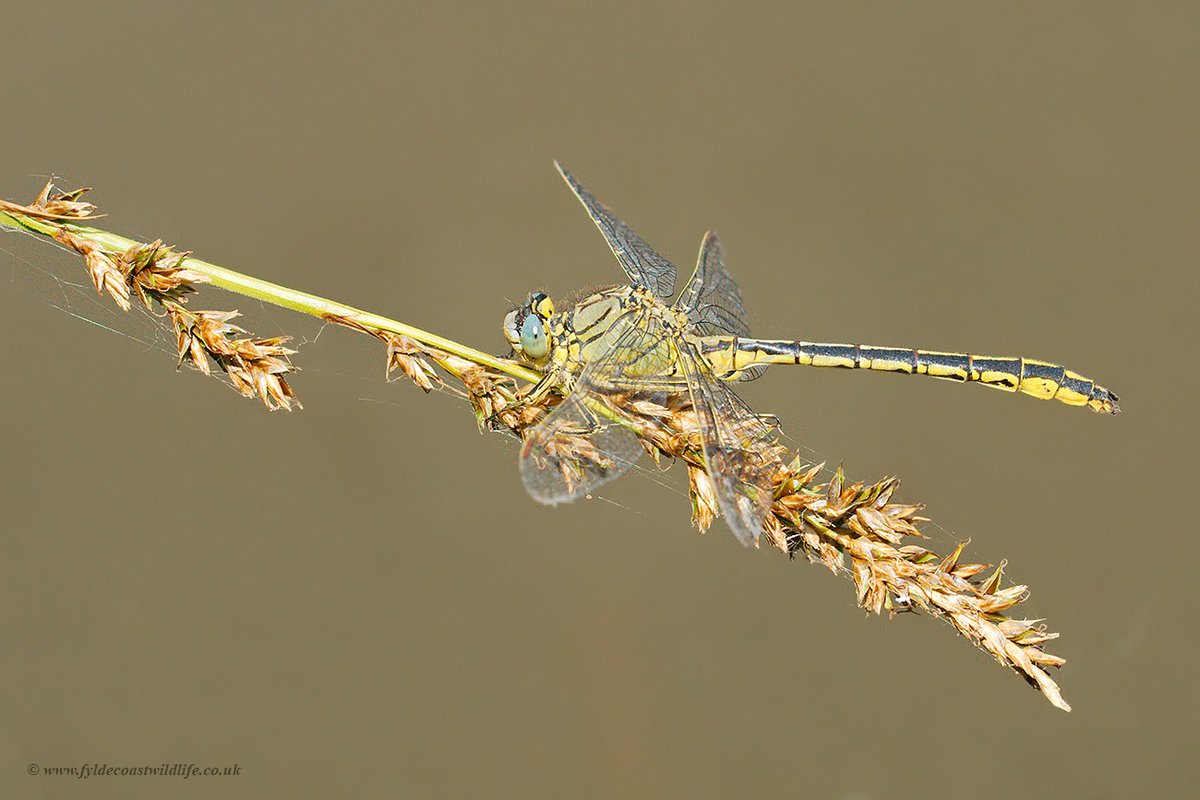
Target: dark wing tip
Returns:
[711, 246]
[566, 175]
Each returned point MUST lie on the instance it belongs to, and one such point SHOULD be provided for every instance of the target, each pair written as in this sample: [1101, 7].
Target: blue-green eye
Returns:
[533, 337]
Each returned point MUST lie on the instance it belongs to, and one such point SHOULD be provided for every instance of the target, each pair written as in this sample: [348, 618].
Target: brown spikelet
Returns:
[404, 354]
[256, 367]
[704, 497]
[53, 204]
[107, 276]
[155, 274]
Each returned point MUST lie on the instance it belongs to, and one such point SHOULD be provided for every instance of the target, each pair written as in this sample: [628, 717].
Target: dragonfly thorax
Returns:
[568, 339]
[589, 328]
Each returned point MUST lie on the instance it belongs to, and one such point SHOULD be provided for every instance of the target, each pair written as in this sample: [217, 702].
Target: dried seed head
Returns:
[704, 497]
[62, 205]
[156, 275]
[103, 268]
[404, 354]
[54, 205]
[256, 367]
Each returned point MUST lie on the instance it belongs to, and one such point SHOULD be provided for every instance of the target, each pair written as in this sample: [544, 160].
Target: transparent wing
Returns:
[642, 263]
[739, 446]
[585, 441]
[712, 298]
[713, 301]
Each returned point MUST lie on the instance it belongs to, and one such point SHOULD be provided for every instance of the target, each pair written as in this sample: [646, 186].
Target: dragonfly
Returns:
[634, 341]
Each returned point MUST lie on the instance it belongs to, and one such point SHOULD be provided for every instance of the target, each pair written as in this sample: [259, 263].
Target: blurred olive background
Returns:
[359, 599]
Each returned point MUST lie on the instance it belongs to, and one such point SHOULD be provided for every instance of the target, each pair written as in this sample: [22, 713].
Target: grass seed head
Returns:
[257, 367]
[52, 204]
[852, 528]
[103, 268]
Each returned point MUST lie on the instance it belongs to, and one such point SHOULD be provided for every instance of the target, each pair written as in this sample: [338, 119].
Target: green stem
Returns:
[21, 222]
[273, 293]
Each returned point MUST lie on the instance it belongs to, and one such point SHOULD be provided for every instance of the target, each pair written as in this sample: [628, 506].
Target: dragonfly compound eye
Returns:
[511, 330]
[533, 337]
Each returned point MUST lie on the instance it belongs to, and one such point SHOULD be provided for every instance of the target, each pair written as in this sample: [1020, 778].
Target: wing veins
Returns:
[564, 456]
[642, 263]
[745, 463]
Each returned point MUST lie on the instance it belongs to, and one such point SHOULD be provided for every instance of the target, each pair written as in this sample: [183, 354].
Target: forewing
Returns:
[739, 448]
[579, 447]
[642, 263]
[713, 301]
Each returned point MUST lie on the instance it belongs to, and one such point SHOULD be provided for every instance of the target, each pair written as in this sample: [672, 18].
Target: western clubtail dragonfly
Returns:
[631, 343]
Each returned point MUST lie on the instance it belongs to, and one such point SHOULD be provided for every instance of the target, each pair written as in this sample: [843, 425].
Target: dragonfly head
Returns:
[527, 328]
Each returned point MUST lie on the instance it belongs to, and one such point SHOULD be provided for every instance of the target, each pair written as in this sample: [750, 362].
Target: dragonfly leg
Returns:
[550, 383]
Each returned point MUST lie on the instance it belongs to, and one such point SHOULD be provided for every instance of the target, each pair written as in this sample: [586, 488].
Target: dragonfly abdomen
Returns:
[731, 356]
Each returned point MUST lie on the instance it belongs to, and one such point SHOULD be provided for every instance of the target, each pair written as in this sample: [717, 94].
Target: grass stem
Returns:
[249, 286]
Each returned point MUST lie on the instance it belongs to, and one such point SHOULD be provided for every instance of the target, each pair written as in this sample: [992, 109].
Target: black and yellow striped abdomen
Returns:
[729, 356]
